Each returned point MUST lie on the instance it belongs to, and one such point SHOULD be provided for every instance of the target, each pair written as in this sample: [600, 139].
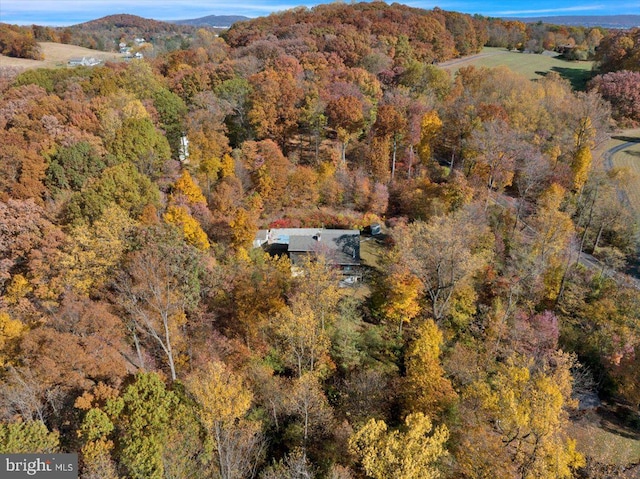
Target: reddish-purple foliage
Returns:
[622, 90]
[536, 335]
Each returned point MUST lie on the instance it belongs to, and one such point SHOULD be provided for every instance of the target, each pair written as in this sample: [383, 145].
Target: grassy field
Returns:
[57, 55]
[530, 65]
[600, 435]
[628, 158]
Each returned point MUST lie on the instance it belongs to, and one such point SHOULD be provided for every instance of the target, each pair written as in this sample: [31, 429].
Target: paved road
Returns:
[608, 155]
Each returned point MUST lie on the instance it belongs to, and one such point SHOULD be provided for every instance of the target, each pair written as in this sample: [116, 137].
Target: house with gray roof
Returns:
[340, 247]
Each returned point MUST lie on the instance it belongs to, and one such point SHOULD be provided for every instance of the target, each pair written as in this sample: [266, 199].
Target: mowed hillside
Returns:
[533, 66]
[57, 55]
[629, 158]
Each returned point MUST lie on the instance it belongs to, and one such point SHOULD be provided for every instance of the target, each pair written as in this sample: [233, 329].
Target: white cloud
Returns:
[24, 6]
[577, 8]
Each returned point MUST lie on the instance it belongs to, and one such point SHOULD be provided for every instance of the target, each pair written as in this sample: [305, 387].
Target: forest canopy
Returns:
[140, 327]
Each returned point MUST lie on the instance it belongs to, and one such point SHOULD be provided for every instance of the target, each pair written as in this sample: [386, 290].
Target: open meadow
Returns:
[601, 434]
[533, 66]
[57, 55]
[628, 157]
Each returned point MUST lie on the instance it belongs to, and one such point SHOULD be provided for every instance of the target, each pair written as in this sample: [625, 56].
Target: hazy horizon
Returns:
[70, 12]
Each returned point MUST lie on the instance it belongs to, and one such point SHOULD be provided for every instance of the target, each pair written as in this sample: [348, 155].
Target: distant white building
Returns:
[184, 149]
[84, 61]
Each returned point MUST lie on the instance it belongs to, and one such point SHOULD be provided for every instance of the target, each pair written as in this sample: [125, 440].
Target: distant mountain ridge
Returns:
[224, 21]
[107, 32]
[124, 20]
[606, 21]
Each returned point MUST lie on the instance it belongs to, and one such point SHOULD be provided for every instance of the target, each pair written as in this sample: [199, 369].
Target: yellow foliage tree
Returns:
[227, 166]
[92, 252]
[221, 395]
[185, 186]
[583, 135]
[11, 331]
[243, 226]
[319, 285]
[428, 391]
[402, 298]
[409, 454]
[554, 231]
[527, 411]
[300, 338]
[429, 130]
[224, 402]
[135, 110]
[193, 232]
[17, 289]
[580, 166]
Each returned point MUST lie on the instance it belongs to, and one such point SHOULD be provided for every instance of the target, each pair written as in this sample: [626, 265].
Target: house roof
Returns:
[339, 246]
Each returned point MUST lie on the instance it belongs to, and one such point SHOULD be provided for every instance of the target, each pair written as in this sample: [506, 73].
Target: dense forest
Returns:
[140, 328]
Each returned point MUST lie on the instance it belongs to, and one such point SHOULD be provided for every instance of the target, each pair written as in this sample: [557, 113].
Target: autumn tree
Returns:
[122, 184]
[347, 119]
[441, 254]
[24, 228]
[84, 344]
[554, 230]
[430, 127]
[409, 453]
[257, 294]
[302, 188]
[142, 417]
[492, 153]
[11, 330]
[398, 292]
[31, 437]
[275, 97]
[621, 90]
[300, 338]
[223, 403]
[319, 280]
[91, 253]
[389, 128]
[19, 42]
[185, 189]
[428, 391]
[268, 169]
[527, 410]
[160, 285]
[193, 233]
[619, 50]
[208, 143]
[308, 403]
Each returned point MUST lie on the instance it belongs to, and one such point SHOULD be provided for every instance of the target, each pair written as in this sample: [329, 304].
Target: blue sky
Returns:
[68, 12]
